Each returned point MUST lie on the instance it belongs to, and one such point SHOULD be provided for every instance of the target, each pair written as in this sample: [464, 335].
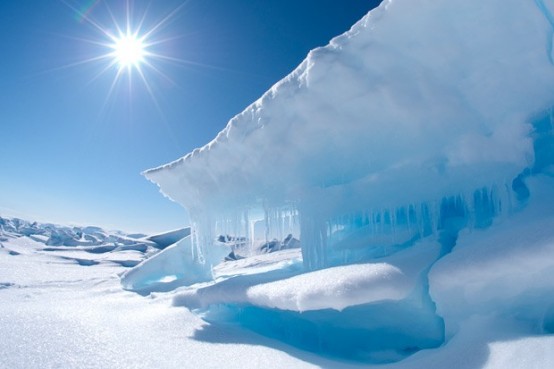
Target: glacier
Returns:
[421, 109]
[413, 158]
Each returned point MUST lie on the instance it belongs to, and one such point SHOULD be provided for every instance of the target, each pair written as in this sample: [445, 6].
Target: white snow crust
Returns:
[391, 279]
[56, 312]
[335, 288]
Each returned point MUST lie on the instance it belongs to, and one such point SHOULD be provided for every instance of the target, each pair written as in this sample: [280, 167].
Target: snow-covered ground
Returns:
[57, 311]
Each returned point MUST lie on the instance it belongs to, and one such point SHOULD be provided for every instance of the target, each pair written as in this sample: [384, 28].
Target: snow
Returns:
[168, 238]
[57, 313]
[393, 278]
[332, 288]
[326, 311]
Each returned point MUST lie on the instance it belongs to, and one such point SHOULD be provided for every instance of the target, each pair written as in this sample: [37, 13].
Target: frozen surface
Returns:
[373, 312]
[333, 288]
[392, 279]
[56, 313]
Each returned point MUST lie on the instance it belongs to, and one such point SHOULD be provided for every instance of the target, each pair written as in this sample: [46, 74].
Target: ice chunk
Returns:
[165, 239]
[506, 269]
[174, 266]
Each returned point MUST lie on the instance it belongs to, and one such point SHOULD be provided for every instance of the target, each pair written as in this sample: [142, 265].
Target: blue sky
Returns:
[72, 152]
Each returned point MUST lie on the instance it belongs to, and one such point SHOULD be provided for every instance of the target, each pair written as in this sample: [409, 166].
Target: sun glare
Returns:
[131, 45]
[129, 51]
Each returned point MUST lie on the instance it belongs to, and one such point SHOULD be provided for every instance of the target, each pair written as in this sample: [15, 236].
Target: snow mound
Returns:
[333, 288]
[391, 279]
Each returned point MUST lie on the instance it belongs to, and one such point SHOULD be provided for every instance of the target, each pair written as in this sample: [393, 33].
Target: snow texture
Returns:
[334, 288]
[56, 312]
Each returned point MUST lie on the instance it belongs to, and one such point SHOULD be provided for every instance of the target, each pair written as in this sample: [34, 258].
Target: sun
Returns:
[129, 51]
[128, 44]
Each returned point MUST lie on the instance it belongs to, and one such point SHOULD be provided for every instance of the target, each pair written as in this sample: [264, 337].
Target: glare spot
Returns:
[129, 51]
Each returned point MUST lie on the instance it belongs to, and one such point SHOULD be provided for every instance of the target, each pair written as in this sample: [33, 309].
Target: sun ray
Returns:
[166, 19]
[128, 18]
[163, 40]
[88, 19]
[132, 46]
[143, 18]
[160, 73]
[150, 92]
[79, 63]
[114, 21]
[111, 90]
[102, 72]
[184, 62]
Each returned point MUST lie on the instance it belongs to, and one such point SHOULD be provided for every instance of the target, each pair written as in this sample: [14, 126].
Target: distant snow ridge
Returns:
[429, 125]
[85, 246]
[57, 235]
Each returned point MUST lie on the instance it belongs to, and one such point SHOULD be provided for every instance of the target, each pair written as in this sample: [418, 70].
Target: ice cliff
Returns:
[424, 110]
[425, 133]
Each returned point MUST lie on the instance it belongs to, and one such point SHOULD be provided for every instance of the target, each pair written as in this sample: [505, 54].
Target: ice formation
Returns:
[428, 127]
[421, 113]
[174, 266]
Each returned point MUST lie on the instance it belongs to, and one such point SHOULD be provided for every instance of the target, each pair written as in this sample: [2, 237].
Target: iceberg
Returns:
[423, 112]
[412, 158]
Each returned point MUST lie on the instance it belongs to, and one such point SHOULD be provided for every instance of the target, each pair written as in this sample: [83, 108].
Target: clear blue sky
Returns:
[71, 152]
